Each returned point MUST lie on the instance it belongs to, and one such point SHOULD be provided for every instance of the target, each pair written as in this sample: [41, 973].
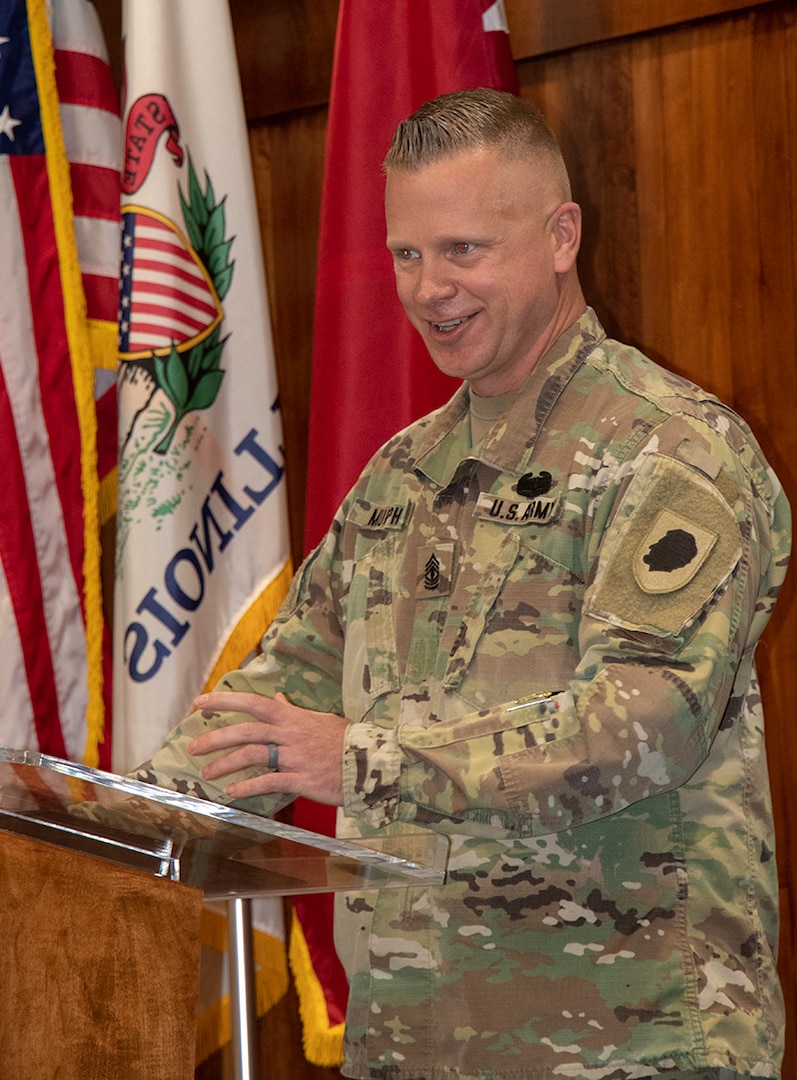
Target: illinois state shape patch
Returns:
[673, 543]
[672, 553]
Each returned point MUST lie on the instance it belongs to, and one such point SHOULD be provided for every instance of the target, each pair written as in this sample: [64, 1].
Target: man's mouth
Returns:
[449, 325]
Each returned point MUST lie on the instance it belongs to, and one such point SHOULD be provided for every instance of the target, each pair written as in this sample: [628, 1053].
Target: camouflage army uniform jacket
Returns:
[544, 648]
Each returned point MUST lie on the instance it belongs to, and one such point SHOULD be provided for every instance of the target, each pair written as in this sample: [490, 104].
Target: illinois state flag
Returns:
[202, 559]
[202, 539]
[371, 372]
[59, 247]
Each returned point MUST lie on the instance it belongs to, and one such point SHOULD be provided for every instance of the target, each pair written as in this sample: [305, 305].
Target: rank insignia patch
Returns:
[434, 570]
[671, 553]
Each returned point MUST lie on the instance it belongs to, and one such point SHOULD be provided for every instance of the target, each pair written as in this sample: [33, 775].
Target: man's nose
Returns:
[435, 281]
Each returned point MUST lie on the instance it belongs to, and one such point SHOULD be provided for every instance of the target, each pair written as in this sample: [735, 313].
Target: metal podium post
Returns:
[243, 1014]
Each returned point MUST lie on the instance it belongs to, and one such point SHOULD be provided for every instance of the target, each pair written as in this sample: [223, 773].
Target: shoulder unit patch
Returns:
[673, 543]
[671, 553]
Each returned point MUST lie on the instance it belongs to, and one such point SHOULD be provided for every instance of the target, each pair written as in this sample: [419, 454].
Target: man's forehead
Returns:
[486, 157]
[478, 184]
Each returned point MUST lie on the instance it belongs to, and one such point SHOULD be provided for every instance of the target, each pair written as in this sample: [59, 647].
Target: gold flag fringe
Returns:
[251, 626]
[214, 1028]
[323, 1045]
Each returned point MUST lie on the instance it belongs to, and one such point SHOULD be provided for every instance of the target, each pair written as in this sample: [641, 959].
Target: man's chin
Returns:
[451, 358]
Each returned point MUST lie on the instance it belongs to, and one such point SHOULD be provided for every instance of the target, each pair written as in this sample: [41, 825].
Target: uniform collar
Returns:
[511, 441]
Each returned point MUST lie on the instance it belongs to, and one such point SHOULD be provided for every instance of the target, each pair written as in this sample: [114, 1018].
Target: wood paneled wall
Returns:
[683, 151]
[678, 119]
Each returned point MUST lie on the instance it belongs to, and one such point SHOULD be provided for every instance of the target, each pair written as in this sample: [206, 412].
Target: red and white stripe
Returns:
[43, 657]
[41, 542]
[172, 299]
[92, 130]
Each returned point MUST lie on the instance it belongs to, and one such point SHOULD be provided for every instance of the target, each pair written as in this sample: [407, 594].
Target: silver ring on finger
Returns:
[273, 756]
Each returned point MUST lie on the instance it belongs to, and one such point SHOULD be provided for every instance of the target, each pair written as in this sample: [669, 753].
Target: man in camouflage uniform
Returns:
[531, 627]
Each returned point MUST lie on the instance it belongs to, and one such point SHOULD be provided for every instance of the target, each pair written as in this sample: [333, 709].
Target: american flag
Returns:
[166, 295]
[91, 124]
[59, 221]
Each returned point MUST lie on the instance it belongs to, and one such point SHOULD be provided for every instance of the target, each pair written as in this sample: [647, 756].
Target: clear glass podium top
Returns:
[227, 853]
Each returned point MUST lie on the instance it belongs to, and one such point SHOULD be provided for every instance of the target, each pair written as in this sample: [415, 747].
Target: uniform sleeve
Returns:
[685, 570]
[301, 657]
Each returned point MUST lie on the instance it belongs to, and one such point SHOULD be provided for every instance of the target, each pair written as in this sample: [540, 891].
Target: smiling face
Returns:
[484, 252]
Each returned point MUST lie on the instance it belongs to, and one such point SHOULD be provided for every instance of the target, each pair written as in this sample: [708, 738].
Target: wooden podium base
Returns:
[99, 968]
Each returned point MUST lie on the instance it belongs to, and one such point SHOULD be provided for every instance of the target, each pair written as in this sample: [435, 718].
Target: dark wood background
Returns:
[678, 120]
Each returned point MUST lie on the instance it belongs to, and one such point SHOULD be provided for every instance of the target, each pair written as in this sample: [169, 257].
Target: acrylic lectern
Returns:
[121, 826]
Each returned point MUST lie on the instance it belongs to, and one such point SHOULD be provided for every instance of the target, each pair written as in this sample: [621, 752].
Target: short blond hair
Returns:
[475, 120]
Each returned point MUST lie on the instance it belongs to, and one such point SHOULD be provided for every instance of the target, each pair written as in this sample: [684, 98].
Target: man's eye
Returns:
[463, 248]
[406, 253]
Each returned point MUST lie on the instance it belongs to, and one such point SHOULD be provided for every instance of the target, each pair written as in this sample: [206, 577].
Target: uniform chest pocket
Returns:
[519, 631]
[370, 629]
[479, 584]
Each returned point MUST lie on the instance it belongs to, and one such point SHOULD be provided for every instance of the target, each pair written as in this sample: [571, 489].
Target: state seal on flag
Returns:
[172, 286]
[166, 295]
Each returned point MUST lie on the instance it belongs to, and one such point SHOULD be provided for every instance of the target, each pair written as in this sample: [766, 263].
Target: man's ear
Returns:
[567, 236]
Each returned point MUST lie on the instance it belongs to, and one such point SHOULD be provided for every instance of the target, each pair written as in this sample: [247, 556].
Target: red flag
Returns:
[371, 372]
[59, 135]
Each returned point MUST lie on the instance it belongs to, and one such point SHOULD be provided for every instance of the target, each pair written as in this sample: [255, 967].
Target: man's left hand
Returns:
[308, 754]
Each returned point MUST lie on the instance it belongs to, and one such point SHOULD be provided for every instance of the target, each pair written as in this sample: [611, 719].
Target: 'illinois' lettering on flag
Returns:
[202, 558]
[59, 222]
[371, 372]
